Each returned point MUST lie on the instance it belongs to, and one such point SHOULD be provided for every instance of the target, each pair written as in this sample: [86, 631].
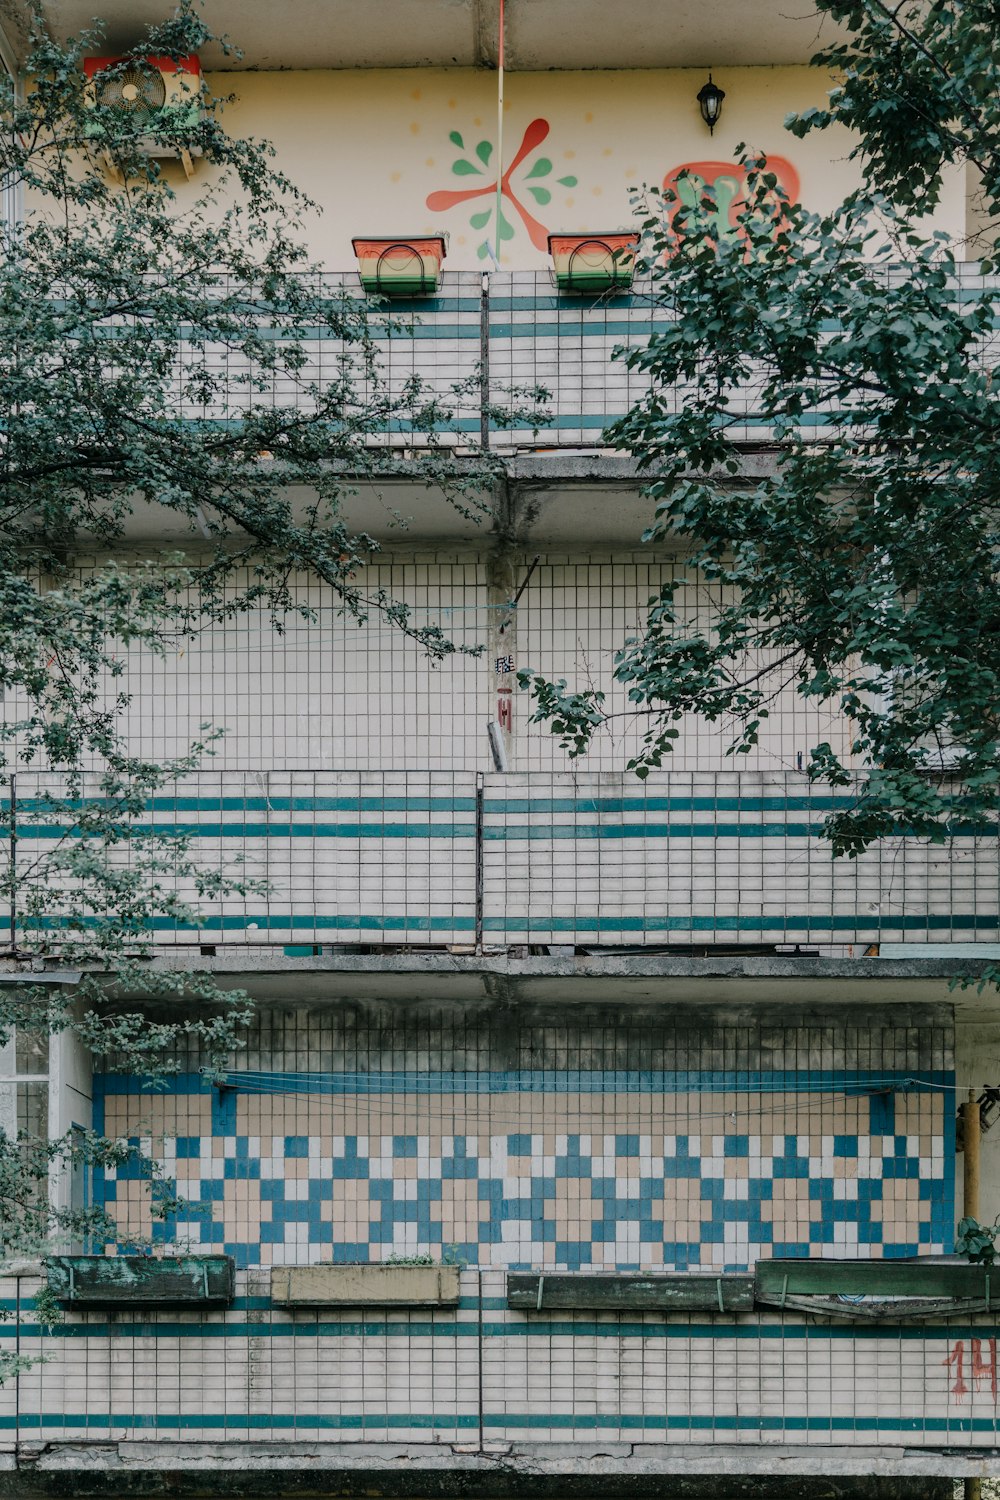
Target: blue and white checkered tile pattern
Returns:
[558, 1137]
[574, 1201]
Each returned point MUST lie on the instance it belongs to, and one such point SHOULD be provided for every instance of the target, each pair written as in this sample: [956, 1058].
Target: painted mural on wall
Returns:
[575, 145]
[727, 181]
[530, 169]
[530, 175]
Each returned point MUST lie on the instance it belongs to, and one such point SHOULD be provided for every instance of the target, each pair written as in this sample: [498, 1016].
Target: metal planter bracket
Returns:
[895, 1310]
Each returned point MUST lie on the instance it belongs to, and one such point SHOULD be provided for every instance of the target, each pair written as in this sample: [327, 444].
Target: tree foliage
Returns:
[156, 371]
[860, 572]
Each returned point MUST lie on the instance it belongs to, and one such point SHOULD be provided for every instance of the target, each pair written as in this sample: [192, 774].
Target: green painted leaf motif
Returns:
[567, 181]
[484, 151]
[463, 168]
[456, 140]
[480, 221]
[483, 250]
[506, 230]
[689, 190]
[542, 167]
[727, 189]
[540, 194]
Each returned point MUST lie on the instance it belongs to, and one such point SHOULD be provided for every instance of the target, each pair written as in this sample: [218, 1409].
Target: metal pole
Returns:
[480, 809]
[500, 62]
[484, 362]
[13, 864]
[971, 1136]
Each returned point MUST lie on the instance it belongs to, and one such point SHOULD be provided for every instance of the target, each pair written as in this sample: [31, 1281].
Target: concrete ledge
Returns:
[491, 1471]
[625, 979]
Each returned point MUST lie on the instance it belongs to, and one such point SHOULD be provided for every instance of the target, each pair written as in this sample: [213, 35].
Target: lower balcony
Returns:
[445, 859]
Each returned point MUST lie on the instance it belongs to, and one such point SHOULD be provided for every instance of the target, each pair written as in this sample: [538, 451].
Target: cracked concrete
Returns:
[493, 1470]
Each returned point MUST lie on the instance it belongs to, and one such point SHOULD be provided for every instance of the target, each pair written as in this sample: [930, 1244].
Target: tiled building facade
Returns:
[584, 1142]
[545, 1019]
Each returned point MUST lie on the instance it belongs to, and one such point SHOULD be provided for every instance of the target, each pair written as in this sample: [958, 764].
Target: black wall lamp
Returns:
[710, 98]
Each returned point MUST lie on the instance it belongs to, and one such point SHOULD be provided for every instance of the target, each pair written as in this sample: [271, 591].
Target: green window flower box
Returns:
[877, 1289]
[401, 267]
[777, 1281]
[593, 263]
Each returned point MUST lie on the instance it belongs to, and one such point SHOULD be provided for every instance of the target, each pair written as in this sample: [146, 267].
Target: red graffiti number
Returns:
[956, 1360]
[982, 1366]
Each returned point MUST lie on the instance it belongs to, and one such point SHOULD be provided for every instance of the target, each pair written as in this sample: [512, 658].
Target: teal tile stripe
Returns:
[496, 1421]
[582, 922]
[759, 817]
[502, 833]
[227, 802]
[518, 1326]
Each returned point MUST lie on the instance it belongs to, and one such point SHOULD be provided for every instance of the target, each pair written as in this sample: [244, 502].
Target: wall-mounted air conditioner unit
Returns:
[154, 91]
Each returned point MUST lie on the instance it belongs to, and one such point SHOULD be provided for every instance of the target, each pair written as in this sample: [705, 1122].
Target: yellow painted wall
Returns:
[372, 147]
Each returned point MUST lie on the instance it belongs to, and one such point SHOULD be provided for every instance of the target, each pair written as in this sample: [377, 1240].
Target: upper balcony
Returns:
[477, 346]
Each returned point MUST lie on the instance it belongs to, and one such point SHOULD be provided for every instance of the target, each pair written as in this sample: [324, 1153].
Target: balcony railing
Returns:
[441, 858]
[487, 333]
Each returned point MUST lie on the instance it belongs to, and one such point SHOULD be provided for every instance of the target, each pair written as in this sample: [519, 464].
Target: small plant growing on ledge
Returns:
[449, 1257]
[978, 1241]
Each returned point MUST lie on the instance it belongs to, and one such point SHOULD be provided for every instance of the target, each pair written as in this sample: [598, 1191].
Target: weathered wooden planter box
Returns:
[127, 1281]
[879, 1290]
[627, 1290]
[364, 1286]
[776, 1279]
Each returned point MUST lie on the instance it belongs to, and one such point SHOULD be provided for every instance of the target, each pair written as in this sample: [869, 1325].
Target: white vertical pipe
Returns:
[499, 163]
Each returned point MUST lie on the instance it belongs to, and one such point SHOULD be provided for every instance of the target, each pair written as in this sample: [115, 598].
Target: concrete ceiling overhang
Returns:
[540, 34]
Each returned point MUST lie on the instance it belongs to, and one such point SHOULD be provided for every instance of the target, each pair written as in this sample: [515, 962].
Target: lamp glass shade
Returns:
[710, 98]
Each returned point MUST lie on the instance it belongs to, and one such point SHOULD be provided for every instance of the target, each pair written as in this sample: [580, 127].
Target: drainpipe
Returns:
[971, 1138]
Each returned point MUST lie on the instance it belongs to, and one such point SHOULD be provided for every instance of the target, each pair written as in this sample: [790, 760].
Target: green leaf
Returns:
[463, 168]
[484, 151]
[456, 140]
[541, 168]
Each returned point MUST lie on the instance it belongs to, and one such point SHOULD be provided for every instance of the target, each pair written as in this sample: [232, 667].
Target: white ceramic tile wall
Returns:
[577, 612]
[390, 857]
[480, 1371]
[328, 694]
